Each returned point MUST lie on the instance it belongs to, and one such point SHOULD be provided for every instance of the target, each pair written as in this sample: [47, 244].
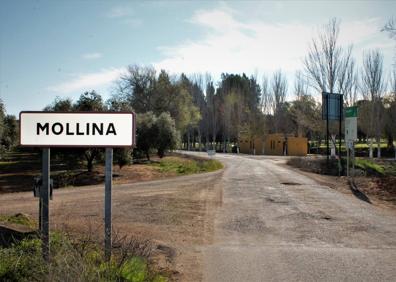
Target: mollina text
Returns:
[58, 128]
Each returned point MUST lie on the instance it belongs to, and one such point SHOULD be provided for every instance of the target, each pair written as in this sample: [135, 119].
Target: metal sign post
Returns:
[332, 104]
[351, 135]
[44, 203]
[107, 201]
[76, 129]
[347, 149]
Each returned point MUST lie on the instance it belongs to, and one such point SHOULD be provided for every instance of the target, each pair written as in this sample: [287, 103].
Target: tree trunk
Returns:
[371, 148]
[90, 157]
[394, 149]
[378, 147]
[188, 141]
[390, 141]
[199, 140]
[89, 165]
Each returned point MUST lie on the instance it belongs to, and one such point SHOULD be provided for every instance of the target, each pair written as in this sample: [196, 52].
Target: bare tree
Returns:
[278, 92]
[299, 110]
[279, 89]
[211, 101]
[392, 108]
[390, 27]
[266, 97]
[373, 87]
[327, 63]
[348, 80]
[392, 83]
[300, 85]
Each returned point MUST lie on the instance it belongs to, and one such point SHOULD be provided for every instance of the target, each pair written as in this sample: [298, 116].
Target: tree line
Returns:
[197, 113]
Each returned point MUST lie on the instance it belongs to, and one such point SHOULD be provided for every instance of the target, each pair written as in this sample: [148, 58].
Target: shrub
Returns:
[71, 260]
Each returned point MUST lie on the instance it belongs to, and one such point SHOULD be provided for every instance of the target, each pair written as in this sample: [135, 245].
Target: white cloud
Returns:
[92, 56]
[231, 45]
[88, 81]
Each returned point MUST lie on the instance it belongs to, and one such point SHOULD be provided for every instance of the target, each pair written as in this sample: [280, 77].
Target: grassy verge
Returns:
[75, 259]
[20, 219]
[70, 261]
[184, 166]
[376, 167]
[383, 145]
[370, 167]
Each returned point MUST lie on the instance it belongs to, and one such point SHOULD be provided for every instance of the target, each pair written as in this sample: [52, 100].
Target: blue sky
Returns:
[63, 48]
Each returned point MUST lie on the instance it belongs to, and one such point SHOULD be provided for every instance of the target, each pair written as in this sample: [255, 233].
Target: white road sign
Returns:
[90, 129]
[351, 128]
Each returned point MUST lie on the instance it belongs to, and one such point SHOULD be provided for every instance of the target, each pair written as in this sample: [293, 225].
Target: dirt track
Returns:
[254, 221]
[176, 212]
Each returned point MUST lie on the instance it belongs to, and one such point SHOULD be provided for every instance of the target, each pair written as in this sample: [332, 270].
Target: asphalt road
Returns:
[276, 224]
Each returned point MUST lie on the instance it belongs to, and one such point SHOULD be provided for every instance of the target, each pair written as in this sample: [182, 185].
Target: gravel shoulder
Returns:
[175, 213]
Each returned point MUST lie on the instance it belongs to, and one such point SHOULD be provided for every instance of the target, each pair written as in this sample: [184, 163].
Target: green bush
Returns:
[134, 270]
[22, 262]
[187, 166]
[70, 260]
[370, 167]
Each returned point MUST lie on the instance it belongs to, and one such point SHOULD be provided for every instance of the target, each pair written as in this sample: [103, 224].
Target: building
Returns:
[249, 146]
[287, 145]
[274, 144]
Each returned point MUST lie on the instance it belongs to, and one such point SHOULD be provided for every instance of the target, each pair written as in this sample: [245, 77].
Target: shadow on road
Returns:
[358, 194]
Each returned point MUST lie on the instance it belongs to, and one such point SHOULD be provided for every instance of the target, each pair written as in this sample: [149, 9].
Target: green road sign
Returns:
[351, 112]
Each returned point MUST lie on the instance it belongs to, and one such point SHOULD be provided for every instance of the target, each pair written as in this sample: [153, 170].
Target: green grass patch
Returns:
[20, 218]
[183, 166]
[383, 145]
[369, 166]
[3, 163]
[71, 260]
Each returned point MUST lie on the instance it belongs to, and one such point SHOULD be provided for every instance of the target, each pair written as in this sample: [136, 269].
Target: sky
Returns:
[52, 49]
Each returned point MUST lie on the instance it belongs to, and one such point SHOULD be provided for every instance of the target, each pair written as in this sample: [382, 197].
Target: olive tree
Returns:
[168, 136]
[87, 102]
[155, 133]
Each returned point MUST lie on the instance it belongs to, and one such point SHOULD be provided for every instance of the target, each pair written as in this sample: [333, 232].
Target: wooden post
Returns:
[44, 198]
[108, 187]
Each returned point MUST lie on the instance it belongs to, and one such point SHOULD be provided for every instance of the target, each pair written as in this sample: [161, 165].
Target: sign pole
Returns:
[108, 186]
[44, 201]
[353, 161]
[347, 147]
[327, 130]
[40, 213]
[339, 127]
[69, 129]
